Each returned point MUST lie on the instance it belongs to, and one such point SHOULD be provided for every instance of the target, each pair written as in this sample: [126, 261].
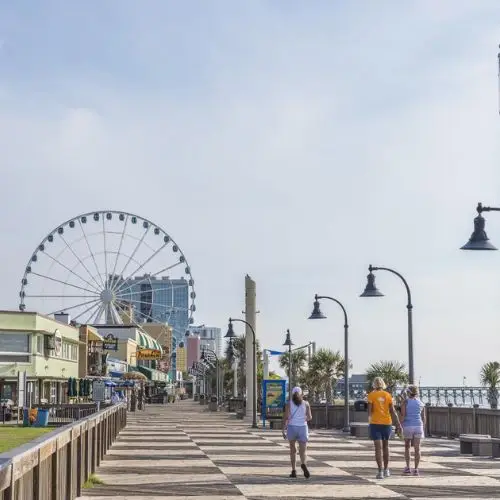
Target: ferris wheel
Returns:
[110, 267]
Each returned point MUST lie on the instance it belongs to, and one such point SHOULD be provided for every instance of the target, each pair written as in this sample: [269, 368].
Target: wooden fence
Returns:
[450, 421]
[55, 466]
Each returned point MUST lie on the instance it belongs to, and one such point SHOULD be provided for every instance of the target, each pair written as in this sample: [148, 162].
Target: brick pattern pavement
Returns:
[180, 451]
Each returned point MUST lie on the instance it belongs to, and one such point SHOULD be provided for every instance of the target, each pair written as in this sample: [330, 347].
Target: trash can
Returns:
[42, 418]
[360, 405]
[202, 399]
[26, 417]
[212, 406]
[196, 397]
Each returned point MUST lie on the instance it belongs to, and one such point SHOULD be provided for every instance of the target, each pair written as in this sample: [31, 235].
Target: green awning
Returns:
[148, 342]
[145, 371]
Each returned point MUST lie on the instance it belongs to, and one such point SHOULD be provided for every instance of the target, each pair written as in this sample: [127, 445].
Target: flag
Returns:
[274, 353]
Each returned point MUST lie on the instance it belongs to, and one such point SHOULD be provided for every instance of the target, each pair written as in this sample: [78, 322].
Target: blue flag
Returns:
[274, 353]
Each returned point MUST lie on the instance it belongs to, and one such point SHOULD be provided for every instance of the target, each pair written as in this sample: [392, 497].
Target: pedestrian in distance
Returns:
[295, 418]
[413, 416]
[381, 414]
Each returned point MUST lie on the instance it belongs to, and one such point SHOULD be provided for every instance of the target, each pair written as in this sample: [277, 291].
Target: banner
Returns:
[274, 398]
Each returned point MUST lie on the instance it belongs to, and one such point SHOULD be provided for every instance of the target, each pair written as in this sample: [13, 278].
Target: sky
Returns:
[297, 142]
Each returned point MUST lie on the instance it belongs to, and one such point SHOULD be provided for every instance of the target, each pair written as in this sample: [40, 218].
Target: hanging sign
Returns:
[148, 354]
[110, 343]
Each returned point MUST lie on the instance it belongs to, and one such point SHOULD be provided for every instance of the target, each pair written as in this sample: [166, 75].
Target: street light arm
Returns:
[480, 208]
[400, 276]
[245, 323]
[319, 297]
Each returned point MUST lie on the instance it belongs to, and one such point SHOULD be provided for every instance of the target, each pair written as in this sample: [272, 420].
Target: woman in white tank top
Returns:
[296, 415]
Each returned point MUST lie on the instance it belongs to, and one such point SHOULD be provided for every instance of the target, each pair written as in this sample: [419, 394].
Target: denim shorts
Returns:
[379, 432]
[298, 433]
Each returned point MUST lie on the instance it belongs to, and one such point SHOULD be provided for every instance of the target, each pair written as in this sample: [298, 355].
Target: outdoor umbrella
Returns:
[74, 389]
[70, 387]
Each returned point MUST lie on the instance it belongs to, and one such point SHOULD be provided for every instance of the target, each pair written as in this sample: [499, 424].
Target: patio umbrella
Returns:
[74, 389]
[70, 387]
[80, 388]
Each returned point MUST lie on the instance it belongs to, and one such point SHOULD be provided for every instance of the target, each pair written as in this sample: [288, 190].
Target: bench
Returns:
[479, 445]
[495, 447]
[360, 429]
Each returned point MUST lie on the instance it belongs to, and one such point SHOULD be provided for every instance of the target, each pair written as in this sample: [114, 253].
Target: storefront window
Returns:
[14, 342]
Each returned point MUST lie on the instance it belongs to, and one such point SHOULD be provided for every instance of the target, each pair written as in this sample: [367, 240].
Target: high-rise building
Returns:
[181, 359]
[192, 343]
[210, 336]
[156, 300]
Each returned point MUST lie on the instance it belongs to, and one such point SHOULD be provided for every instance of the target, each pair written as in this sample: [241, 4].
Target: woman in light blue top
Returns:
[413, 422]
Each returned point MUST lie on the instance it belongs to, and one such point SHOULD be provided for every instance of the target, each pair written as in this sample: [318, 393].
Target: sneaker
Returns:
[293, 473]
[387, 473]
[307, 474]
[380, 475]
[416, 473]
[407, 471]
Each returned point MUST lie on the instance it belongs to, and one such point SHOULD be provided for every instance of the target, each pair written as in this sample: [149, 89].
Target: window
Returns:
[69, 351]
[39, 344]
[14, 342]
[14, 347]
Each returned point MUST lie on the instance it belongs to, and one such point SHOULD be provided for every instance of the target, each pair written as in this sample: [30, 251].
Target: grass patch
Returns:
[12, 436]
[92, 481]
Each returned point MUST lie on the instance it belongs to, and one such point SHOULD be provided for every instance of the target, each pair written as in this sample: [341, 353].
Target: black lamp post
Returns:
[317, 314]
[479, 240]
[231, 335]
[372, 291]
[288, 342]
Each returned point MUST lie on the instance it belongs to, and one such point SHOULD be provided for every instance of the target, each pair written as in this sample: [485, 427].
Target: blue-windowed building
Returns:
[159, 300]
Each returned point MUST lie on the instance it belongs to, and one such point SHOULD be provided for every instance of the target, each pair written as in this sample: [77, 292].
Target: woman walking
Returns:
[296, 415]
[381, 414]
[413, 416]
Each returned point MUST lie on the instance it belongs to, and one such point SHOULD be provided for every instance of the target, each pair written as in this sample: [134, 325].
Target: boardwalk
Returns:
[180, 451]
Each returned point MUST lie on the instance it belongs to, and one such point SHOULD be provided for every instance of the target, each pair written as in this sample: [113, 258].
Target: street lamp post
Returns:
[204, 357]
[231, 335]
[288, 342]
[479, 240]
[317, 314]
[372, 291]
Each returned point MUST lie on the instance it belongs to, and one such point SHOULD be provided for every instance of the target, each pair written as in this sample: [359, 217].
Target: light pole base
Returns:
[347, 429]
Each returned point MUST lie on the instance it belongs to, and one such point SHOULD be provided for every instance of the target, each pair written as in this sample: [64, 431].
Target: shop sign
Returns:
[110, 343]
[148, 354]
[98, 391]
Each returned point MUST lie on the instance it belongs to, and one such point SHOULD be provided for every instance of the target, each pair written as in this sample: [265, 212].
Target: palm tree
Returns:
[326, 367]
[393, 373]
[299, 359]
[490, 377]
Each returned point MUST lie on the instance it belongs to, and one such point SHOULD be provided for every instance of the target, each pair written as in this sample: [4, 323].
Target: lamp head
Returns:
[370, 289]
[479, 239]
[288, 341]
[316, 313]
[230, 331]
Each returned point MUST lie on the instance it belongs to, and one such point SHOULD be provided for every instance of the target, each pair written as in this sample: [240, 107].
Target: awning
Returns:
[93, 335]
[147, 342]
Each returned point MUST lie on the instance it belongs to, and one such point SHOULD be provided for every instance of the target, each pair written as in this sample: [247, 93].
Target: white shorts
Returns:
[413, 431]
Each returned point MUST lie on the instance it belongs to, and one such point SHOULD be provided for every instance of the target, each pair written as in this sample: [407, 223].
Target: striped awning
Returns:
[145, 341]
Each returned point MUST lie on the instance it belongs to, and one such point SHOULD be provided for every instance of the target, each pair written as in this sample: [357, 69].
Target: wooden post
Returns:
[448, 427]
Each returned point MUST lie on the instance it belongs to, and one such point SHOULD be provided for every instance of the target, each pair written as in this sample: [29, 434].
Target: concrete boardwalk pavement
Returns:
[180, 451]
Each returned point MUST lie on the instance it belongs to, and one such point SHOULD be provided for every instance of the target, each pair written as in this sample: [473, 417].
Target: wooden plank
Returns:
[47, 449]
[24, 463]
[5, 476]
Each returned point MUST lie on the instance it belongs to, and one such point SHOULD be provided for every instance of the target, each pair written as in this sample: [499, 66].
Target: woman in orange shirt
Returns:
[381, 414]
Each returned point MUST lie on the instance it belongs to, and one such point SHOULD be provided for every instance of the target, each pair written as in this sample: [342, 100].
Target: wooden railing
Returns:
[55, 466]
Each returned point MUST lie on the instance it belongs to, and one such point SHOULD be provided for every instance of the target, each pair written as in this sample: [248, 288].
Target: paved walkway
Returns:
[180, 451]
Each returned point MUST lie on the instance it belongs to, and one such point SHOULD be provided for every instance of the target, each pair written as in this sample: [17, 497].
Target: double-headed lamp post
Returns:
[317, 314]
[372, 291]
[231, 335]
[205, 357]
[288, 343]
